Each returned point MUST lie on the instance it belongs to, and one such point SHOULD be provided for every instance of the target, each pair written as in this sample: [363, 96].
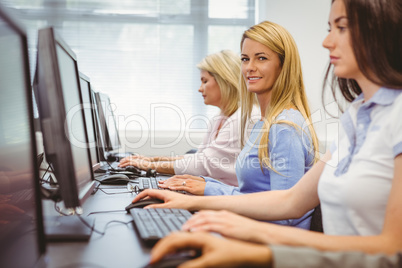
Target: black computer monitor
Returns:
[22, 242]
[107, 122]
[99, 134]
[62, 119]
[90, 120]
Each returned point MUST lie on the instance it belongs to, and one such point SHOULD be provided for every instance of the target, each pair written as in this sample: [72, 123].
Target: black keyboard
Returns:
[152, 183]
[155, 223]
[148, 183]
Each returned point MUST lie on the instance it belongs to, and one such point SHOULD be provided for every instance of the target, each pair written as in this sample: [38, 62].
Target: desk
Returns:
[119, 247]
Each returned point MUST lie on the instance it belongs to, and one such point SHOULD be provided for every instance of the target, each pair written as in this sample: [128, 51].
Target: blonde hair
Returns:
[287, 91]
[224, 66]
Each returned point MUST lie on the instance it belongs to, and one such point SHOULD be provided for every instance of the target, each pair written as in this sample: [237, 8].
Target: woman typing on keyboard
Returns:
[358, 182]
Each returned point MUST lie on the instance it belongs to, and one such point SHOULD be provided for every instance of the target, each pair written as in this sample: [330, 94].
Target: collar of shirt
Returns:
[384, 96]
[357, 136]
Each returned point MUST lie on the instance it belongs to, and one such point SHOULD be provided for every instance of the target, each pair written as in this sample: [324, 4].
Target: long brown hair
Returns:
[375, 28]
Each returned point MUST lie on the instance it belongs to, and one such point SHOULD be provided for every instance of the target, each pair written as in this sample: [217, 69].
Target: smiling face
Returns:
[209, 89]
[339, 44]
[260, 67]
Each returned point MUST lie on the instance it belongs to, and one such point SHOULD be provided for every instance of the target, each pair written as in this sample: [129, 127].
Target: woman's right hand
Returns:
[230, 225]
[216, 251]
[171, 199]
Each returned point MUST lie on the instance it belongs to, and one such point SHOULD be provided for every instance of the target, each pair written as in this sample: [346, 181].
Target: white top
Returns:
[216, 156]
[355, 184]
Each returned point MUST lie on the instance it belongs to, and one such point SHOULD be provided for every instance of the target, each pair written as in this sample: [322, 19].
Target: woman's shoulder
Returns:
[291, 115]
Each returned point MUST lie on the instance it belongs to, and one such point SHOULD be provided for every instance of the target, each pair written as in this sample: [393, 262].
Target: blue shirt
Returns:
[291, 155]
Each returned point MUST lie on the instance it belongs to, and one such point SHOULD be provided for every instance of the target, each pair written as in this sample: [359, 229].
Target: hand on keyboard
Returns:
[191, 184]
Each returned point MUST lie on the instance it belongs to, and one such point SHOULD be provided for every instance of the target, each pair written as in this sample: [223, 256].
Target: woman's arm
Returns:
[388, 242]
[165, 158]
[303, 257]
[217, 155]
[269, 205]
[218, 252]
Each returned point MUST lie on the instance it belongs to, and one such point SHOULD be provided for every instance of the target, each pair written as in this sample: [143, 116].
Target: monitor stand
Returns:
[68, 228]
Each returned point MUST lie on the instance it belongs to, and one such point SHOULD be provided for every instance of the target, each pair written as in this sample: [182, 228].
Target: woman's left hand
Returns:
[230, 225]
[191, 184]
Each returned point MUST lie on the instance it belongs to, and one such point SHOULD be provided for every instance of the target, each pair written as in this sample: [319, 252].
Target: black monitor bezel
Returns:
[97, 165]
[107, 143]
[57, 147]
[19, 29]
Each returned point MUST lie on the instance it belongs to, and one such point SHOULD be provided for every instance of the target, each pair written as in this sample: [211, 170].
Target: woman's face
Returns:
[338, 43]
[260, 67]
[209, 89]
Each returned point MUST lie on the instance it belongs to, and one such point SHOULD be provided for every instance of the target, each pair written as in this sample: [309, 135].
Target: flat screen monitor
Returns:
[90, 120]
[99, 134]
[107, 122]
[22, 242]
[62, 119]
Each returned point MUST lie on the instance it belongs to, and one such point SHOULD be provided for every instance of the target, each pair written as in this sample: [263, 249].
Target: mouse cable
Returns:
[106, 226]
[107, 211]
[58, 210]
[81, 264]
[125, 192]
[42, 180]
[134, 189]
[88, 225]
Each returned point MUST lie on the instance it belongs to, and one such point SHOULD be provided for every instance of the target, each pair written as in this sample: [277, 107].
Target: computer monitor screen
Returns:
[21, 228]
[62, 118]
[108, 122]
[90, 120]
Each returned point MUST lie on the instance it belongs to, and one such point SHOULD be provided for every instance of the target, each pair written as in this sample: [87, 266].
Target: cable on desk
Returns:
[88, 225]
[135, 190]
[126, 192]
[57, 208]
[81, 264]
[42, 180]
[106, 226]
[107, 211]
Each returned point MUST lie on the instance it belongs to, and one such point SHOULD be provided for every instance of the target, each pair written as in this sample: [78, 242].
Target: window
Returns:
[142, 53]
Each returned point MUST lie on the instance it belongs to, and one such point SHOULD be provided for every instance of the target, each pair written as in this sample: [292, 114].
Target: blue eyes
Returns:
[247, 59]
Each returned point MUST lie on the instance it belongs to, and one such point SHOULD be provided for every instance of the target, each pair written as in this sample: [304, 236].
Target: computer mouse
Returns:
[143, 203]
[114, 179]
[172, 261]
[134, 170]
